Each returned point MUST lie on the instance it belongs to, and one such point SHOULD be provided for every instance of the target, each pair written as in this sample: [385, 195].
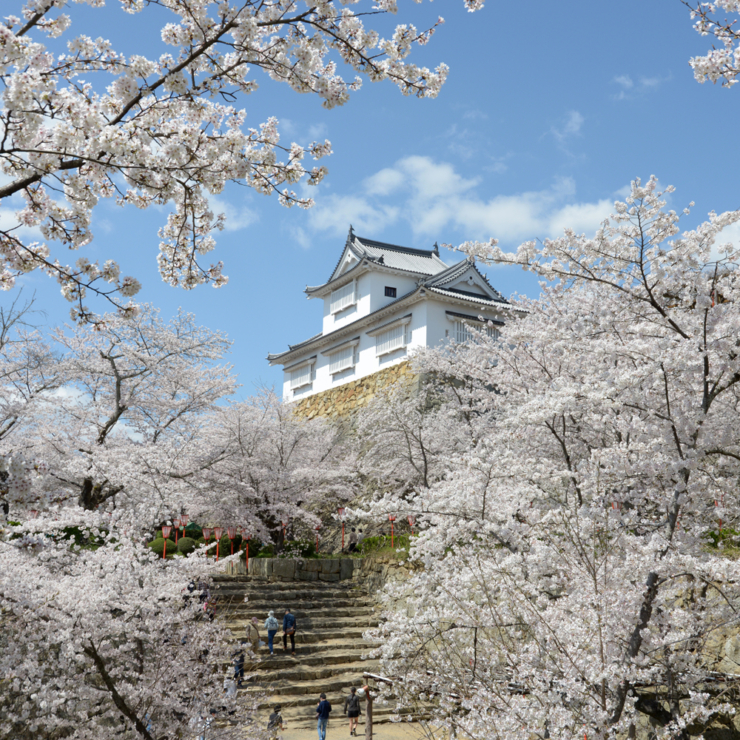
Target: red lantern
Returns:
[391, 519]
[285, 525]
[184, 518]
[165, 534]
[411, 523]
[178, 525]
[340, 514]
[231, 531]
[34, 513]
[206, 534]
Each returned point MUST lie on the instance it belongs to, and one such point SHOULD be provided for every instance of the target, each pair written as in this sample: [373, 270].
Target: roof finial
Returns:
[351, 235]
[436, 249]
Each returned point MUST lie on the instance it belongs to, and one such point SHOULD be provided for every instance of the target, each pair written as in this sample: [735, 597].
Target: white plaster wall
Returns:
[440, 328]
[367, 361]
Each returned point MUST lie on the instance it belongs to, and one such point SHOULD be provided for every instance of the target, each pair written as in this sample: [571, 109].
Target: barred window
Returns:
[467, 333]
[342, 360]
[390, 340]
[300, 377]
[343, 297]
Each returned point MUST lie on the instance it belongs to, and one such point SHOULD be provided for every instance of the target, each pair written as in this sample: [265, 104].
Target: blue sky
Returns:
[549, 111]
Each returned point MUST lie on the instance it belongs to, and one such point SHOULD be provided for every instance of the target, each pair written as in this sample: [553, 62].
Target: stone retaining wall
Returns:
[341, 401]
[369, 574]
[288, 569]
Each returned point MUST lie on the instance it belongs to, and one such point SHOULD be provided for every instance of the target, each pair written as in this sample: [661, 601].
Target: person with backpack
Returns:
[352, 710]
[289, 626]
[271, 625]
[322, 715]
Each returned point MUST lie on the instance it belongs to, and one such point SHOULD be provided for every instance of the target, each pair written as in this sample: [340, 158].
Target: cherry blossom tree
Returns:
[93, 123]
[125, 421]
[275, 468]
[572, 581]
[721, 63]
[101, 639]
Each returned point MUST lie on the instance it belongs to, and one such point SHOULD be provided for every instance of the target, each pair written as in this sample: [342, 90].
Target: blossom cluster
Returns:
[165, 130]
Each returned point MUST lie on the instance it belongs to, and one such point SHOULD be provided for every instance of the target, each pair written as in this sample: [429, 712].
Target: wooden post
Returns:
[368, 714]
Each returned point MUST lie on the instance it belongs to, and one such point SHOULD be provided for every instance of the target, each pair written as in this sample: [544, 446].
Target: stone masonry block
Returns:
[283, 568]
[305, 575]
[346, 569]
[328, 576]
[312, 566]
[330, 566]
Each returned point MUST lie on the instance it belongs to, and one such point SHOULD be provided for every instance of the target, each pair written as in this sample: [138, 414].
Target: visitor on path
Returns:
[253, 634]
[271, 625]
[352, 541]
[275, 723]
[322, 716]
[238, 661]
[352, 710]
[289, 626]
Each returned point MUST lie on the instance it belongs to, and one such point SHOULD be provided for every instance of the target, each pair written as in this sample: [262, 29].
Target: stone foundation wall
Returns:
[342, 401]
[289, 569]
[369, 574]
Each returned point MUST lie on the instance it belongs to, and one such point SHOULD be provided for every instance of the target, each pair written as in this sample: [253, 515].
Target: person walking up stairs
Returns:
[333, 617]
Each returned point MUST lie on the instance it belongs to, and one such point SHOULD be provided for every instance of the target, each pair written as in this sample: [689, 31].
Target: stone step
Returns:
[338, 684]
[309, 623]
[319, 648]
[263, 607]
[321, 656]
[301, 672]
[247, 613]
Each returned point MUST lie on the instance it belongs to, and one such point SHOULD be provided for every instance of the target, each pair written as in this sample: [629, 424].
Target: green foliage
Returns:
[157, 546]
[254, 548]
[266, 551]
[728, 539]
[82, 538]
[382, 543]
[194, 531]
[186, 545]
[298, 549]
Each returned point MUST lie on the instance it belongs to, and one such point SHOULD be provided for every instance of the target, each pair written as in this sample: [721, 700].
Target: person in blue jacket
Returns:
[322, 716]
[289, 627]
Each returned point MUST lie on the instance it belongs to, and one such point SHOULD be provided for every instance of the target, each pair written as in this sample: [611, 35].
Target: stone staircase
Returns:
[331, 618]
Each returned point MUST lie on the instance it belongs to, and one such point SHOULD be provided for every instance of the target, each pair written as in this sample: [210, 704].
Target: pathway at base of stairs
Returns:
[387, 731]
[331, 618]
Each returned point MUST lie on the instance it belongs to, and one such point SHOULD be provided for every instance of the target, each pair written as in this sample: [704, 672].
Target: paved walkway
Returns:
[385, 731]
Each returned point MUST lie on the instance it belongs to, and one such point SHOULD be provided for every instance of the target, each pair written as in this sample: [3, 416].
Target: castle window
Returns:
[466, 333]
[342, 360]
[390, 292]
[343, 357]
[301, 377]
[343, 297]
[391, 340]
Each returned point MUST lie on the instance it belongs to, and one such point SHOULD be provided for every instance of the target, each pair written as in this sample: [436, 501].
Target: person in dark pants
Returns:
[352, 708]
[275, 723]
[322, 716]
[289, 626]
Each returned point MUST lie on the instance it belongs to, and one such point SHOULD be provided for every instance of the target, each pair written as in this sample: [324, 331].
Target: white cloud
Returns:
[630, 88]
[435, 200]
[385, 182]
[570, 127]
[731, 235]
[334, 213]
[237, 217]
